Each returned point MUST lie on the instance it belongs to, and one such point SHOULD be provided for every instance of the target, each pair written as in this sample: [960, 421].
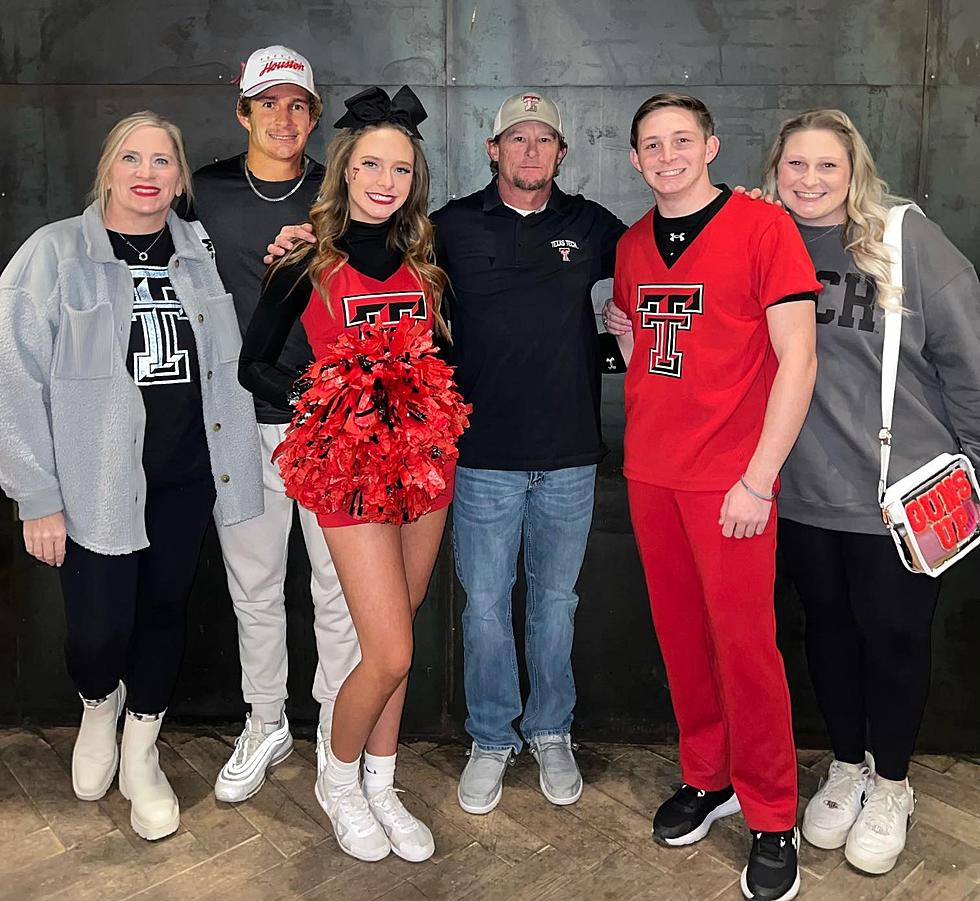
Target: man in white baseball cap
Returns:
[243, 201]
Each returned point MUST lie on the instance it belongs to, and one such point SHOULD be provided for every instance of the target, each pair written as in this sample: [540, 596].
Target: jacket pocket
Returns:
[227, 334]
[85, 346]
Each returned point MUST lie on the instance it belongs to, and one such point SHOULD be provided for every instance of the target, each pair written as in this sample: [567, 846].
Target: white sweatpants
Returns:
[255, 560]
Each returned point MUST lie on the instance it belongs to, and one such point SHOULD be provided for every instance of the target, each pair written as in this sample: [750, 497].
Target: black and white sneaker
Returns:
[773, 872]
[686, 817]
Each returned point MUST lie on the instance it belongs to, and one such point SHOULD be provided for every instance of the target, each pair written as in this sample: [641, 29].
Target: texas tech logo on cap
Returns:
[667, 310]
[530, 102]
[384, 309]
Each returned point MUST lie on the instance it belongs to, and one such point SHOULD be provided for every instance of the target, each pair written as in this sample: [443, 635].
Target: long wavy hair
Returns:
[868, 197]
[411, 231]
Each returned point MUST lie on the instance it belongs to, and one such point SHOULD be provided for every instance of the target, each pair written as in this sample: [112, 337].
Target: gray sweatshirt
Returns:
[72, 416]
[830, 479]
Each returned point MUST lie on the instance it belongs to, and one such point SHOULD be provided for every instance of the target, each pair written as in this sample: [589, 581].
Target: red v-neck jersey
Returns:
[702, 366]
[355, 299]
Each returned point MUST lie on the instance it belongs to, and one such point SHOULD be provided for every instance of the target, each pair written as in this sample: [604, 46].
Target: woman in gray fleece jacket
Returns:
[868, 620]
[124, 427]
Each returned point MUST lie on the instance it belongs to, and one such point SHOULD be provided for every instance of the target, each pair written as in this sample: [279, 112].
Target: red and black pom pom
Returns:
[375, 427]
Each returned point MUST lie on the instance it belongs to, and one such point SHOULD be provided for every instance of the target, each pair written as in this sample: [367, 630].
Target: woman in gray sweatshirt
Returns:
[124, 427]
[868, 620]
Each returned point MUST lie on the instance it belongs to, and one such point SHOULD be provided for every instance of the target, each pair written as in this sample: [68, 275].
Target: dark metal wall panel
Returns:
[189, 42]
[47, 162]
[597, 125]
[622, 42]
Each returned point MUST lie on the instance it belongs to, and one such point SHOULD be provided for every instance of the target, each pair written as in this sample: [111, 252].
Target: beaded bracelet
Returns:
[755, 493]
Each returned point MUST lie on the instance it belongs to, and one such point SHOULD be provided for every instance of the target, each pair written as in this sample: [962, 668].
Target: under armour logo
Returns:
[610, 363]
[679, 237]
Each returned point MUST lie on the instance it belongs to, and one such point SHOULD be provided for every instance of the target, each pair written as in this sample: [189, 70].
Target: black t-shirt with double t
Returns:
[162, 358]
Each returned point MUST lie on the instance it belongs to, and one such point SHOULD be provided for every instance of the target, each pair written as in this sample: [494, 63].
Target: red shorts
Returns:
[443, 500]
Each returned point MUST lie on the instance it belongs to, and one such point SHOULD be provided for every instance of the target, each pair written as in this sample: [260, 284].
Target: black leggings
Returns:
[868, 640]
[126, 614]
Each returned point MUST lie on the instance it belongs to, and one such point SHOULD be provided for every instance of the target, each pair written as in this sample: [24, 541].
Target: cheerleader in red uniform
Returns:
[371, 448]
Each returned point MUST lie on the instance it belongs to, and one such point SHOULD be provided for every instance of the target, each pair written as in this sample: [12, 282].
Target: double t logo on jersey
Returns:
[384, 309]
[667, 310]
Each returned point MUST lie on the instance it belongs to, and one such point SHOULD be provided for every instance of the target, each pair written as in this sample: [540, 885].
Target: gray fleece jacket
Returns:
[72, 416]
[830, 479]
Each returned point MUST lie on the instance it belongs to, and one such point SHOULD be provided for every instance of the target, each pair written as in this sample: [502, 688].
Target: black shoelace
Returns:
[772, 846]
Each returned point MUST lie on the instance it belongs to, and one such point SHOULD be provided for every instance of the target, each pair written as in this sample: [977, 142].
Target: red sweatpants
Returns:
[712, 604]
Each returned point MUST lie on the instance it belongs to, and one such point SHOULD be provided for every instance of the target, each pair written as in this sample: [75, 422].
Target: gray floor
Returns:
[279, 845]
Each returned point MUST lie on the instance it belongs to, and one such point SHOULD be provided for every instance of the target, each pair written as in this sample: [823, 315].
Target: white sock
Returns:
[341, 775]
[379, 773]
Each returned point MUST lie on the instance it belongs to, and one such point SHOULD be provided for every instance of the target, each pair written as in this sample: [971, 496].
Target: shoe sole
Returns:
[483, 809]
[275, 761]
[154, 834]
[416, 859]
[827, 839]
[340, 844]
[872, 865]
[731, 806]
[793, 891]
[561, 802]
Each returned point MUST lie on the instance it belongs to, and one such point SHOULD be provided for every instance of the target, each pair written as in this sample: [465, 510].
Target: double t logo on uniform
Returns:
[384, 309]
[668, 309]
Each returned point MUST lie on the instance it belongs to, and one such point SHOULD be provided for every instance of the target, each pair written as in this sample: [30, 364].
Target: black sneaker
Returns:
[772, 873]
[686, 817]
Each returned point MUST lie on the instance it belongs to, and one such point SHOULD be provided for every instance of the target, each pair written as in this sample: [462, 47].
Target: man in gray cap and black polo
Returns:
[522, 257]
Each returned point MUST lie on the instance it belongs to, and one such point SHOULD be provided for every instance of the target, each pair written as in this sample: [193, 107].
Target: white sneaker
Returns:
[878, 835]
[358, 832]
[833, 809]
[410, 838]
[95, 757]
[255, 750]
[482, 783]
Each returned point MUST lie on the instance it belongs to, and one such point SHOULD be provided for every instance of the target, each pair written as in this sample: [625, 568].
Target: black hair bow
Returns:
[373, 105]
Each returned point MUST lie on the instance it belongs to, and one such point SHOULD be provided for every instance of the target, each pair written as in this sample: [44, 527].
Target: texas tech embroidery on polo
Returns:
[667, 310]
[384, 309]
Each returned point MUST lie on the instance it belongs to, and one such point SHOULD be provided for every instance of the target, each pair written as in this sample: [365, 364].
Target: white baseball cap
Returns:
[528, 106]
[276, 65]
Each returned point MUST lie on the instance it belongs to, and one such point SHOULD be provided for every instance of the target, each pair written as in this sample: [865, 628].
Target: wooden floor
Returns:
[279, 845]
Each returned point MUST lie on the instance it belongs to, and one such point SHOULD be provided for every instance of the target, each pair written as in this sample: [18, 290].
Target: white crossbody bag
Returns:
[932, 513]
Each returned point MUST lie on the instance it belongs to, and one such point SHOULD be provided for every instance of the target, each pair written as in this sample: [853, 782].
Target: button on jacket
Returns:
[73, 418]
[525, 342]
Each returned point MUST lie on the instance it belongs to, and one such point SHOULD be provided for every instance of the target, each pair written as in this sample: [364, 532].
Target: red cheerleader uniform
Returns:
[354, 300]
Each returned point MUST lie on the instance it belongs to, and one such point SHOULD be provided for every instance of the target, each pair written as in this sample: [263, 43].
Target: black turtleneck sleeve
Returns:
[284, 298]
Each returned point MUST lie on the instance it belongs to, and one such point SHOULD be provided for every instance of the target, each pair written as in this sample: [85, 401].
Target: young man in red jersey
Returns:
[719, 292]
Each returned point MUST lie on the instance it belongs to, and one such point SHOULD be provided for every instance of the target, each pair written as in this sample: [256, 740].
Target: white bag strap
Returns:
[892, 339]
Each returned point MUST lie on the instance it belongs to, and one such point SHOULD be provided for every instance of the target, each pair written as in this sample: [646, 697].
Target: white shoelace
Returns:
[247, 743]
[841, 786]
[390, 804]
[884, 810]
[353, 809]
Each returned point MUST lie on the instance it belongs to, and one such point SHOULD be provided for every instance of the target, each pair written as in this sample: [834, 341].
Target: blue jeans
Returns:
[491, 510]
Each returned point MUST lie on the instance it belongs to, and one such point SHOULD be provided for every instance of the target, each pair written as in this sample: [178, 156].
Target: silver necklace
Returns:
[295, 188]
[143, 255]
[826, 231]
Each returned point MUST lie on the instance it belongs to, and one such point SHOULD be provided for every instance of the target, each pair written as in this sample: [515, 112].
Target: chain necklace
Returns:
[295, 188]
[818, 235]
[143, 255]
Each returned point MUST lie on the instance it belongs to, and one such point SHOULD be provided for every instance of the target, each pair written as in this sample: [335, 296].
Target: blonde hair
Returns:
[113, 144]
[411, 231]
[868, 197]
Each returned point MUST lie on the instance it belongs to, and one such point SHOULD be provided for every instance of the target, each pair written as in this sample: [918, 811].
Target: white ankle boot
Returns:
[155, 812]
[96, 755]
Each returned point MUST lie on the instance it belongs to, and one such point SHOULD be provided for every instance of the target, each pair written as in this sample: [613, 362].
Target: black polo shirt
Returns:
[525, 344]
